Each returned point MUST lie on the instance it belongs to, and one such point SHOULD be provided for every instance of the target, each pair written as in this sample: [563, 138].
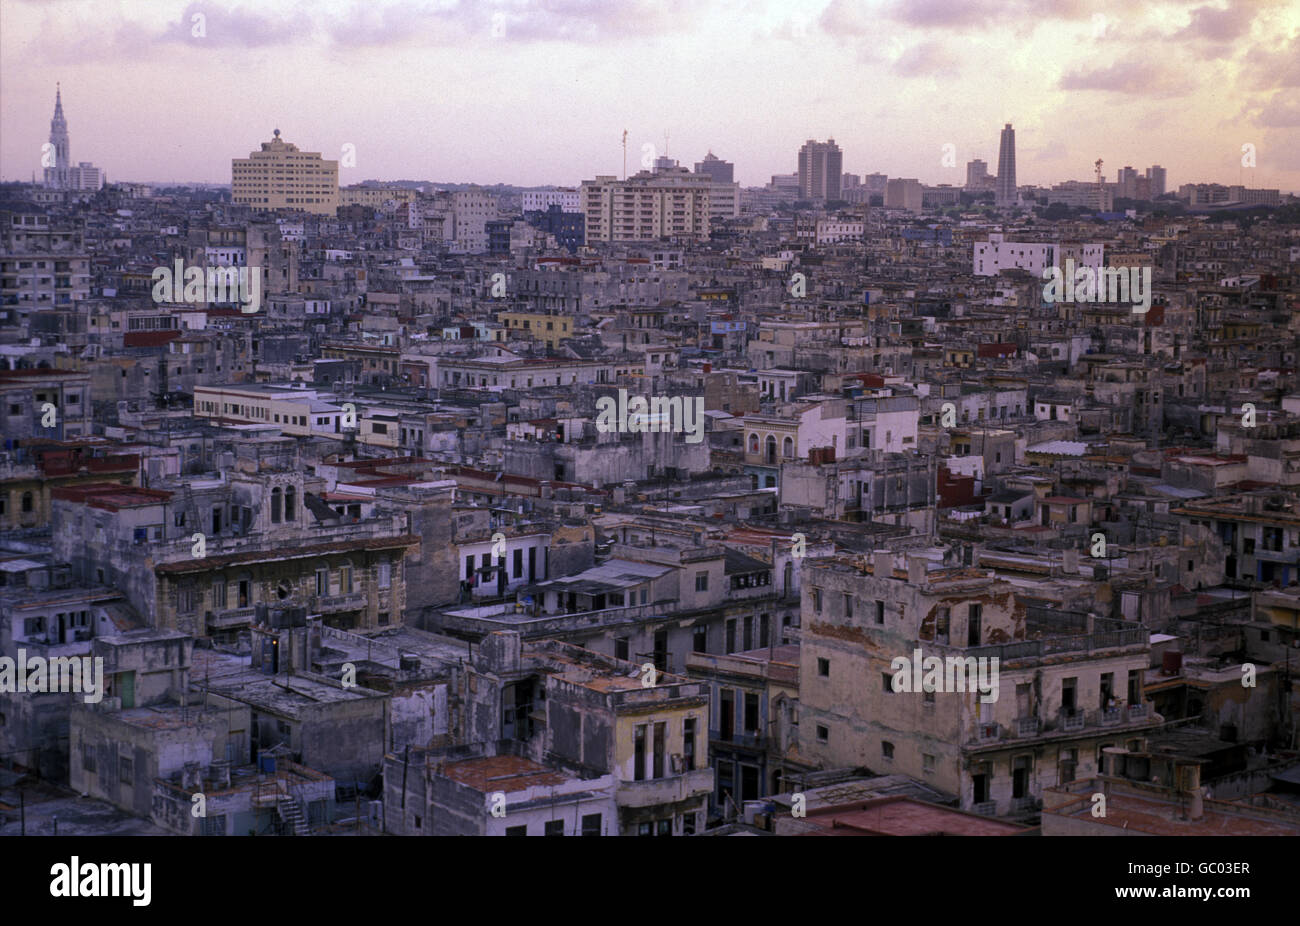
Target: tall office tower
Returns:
[1006, 189]
[977, 175]
[56, 176]
[1156, 176]
[1126, 182]
[282, 177]
[718, 170]
[820, 166]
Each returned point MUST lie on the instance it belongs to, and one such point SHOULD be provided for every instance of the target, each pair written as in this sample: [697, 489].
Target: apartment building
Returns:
[280, 177]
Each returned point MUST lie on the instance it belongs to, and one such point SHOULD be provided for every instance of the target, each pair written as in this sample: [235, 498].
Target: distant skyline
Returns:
[528, 94]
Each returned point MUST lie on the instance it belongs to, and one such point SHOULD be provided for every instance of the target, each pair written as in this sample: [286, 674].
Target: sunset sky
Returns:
[540, 92]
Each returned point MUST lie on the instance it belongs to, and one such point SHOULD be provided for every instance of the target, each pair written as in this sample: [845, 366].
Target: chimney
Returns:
[883, 564]
[916, 570]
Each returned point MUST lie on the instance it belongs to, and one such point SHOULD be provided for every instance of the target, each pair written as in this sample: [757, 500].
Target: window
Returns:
[887, 750]
[592, 824]
[345, 579]
[275, 505]
[289, 512]
[322, 581]
[817, 600]
[27, 502]
[516, 830]
[688, 743]
[638, 751]
[554, 828]
[701, 581]
[823, 734]
[125, 770]
[214, 825]
[973, 626]
[87, 758]
[824, 667]
[219, 592]
[185, 604]
[700, 638]
[731, 635]
[880, 612]
[620, 648]
[927, 762]
[848, 605]
[384, 573]
[887, 682]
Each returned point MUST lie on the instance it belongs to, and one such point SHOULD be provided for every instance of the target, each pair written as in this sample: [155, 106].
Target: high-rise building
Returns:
[1126, 183]
[978, 179]
[282, 177]
[904, 194]
[1156, 178]
[663, 204]
[820, 166]
[1005, 194]
[719, 170]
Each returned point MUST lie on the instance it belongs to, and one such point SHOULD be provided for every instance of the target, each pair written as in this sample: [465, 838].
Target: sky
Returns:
[532, 93]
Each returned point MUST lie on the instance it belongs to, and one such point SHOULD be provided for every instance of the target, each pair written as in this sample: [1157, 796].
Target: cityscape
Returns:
[651, 500]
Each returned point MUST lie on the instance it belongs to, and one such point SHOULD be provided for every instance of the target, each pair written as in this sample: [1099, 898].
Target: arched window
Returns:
[771, 449]
[753, 443]
[275, 505]
[289, 503]
[787, 448]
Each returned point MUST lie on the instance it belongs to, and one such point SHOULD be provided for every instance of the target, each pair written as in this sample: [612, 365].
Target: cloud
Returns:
[928, 59]
[207, 25]
[1134, 77]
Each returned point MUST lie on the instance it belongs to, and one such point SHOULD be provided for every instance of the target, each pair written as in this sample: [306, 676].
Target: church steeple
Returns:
[57, 174]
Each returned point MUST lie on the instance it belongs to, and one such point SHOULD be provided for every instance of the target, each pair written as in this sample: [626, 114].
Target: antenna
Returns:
[625, 154]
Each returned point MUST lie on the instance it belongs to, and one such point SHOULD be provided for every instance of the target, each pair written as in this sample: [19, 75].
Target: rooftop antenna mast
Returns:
[625, 154]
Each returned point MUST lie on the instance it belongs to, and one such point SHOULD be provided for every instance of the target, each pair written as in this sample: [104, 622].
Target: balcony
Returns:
[1026, 804]
[668, 790]
[737, 738]
[1110, 716]
[1027, 726]
[231, 617]
[1072, 721]
[985, 808]
[349, 602]
[988, 732]
[1138, 712]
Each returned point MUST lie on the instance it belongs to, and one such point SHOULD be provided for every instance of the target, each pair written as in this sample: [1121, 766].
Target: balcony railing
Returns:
[1024, 804]
[1027, 726]
[665, 790]
[985, 808]
[348, 602]
[1111, 715]
[988, 732]
[1074, 721]
[737, 738]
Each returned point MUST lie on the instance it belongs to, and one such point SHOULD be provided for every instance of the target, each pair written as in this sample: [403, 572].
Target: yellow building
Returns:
[549, 328]
[282, 177]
